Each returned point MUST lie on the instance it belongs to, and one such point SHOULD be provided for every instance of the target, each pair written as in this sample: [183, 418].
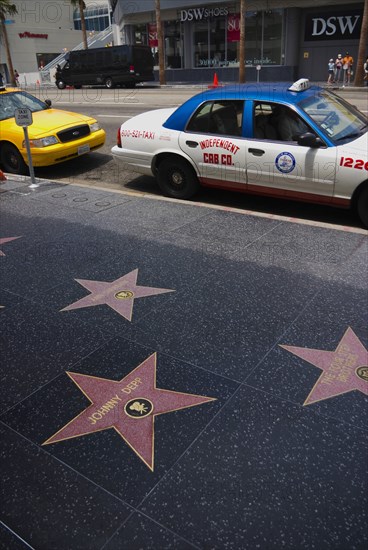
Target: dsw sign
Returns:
[340, 26]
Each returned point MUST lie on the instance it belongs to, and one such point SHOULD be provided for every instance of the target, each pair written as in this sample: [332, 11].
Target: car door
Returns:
[213, 140]
[282, 167]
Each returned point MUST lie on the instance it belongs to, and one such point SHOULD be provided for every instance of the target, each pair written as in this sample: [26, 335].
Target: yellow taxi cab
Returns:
[54, 135]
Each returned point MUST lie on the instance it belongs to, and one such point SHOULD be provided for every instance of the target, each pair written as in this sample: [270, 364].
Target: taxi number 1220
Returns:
[358, 164]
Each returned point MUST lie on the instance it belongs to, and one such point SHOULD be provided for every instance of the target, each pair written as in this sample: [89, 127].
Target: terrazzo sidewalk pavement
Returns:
[177, 376]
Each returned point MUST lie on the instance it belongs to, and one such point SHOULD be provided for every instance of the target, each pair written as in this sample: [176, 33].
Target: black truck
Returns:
[110, 66]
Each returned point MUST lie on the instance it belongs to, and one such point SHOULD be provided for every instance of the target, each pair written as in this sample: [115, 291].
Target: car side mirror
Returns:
[308, 139]
[48, 103]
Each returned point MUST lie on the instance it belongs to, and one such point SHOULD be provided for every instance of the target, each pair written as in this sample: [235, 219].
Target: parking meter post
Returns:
[258, 68]
[30, 165]
[23, 117]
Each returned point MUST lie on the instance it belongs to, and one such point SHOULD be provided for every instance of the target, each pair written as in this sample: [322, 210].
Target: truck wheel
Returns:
[109, 83]
[177, 179]
[11, 160]
[60, 84]
[362, 205]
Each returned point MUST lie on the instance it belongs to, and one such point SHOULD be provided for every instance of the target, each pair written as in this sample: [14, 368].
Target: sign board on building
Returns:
[341, 25]
[198, 14]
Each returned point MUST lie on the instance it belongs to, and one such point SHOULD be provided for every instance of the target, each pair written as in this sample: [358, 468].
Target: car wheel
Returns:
[12, 161]
[177, 178]
[60, 84]
[109, 83]
[362, 205]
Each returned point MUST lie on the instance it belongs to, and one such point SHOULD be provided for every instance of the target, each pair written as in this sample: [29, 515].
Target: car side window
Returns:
[264, 123]
[218, 117]
[277, 122]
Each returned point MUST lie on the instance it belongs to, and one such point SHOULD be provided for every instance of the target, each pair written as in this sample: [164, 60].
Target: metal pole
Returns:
[30, 165]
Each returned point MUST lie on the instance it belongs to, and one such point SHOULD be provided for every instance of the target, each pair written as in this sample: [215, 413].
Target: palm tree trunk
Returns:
[359, 74]
[160, 40]
[8, 56]
[83, 24]
[242, 43]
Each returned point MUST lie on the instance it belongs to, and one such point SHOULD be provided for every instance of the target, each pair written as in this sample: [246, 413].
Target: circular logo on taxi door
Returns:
[285, 162]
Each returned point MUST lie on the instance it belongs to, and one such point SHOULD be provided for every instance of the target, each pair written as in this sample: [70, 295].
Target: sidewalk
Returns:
[176, 376]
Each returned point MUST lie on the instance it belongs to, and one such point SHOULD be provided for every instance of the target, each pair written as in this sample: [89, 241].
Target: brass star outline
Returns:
[114, 404]
[6, 240]
[119, 294]
[344, 370]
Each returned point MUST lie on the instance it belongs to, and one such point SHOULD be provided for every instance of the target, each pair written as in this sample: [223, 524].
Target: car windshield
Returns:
[15, 100]
[337, 118]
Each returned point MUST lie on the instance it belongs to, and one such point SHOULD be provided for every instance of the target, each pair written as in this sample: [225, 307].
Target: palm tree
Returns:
[362, 53]
[82, 6]
[160, 40]
[242, 43]
[6, 8]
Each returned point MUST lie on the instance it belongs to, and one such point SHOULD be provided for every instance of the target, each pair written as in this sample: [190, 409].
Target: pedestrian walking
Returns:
[347, 67]
[331, 71]
[365, 68]
[338, 68]
[16, 77]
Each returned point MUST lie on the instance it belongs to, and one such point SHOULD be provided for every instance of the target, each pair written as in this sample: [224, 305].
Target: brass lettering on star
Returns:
[362, 372]
[138, 408]
[124, 295]
[105, 409]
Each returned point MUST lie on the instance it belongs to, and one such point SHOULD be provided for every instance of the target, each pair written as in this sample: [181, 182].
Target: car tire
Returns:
[177, 179]
[60, 84]
[109, 83]
[362, 205]
[11, 160]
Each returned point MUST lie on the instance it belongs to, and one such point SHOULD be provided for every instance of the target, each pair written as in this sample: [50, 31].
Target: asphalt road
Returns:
[112, 107]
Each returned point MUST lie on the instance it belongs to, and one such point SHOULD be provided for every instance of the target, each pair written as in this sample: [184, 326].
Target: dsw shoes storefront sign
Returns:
[340, 26]
[197, 14]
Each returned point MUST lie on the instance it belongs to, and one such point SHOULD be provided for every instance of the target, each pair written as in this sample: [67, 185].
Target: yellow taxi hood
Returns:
[51, 121]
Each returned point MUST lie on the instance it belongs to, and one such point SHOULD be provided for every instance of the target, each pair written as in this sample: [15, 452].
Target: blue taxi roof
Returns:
[270, 91]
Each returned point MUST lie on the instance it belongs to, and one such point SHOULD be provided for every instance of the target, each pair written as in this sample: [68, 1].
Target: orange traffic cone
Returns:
[215, 82]
[2, 176]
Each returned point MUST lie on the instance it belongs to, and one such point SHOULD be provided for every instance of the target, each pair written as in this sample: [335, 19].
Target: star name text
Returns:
[105, 409]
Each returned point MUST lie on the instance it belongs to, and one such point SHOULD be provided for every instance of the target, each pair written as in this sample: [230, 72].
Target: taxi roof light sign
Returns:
[300, 85]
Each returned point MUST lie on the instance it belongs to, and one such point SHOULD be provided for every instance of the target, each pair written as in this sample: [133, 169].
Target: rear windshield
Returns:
[16, 100]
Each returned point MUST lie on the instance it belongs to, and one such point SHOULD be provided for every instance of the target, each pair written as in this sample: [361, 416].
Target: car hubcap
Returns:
[177, 179]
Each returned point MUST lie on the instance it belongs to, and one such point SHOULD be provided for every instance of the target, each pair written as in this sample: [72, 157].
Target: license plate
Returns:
[83, 149]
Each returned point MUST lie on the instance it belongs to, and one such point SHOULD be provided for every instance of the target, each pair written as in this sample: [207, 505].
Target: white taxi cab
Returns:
[294, 141]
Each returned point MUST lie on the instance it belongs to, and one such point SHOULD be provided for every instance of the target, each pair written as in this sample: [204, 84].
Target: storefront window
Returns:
[217, 56]
[253, 37]
[173, 45]
[272, 37]
[201, 44]
[210, 43]
[216, 41]
[140, 34]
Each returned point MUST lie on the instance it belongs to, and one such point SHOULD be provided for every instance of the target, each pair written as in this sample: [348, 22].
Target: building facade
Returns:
[42, 30]
[285, 39]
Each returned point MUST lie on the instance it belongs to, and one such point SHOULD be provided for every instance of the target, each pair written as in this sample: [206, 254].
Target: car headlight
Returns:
[42, 142]
[94, 127]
